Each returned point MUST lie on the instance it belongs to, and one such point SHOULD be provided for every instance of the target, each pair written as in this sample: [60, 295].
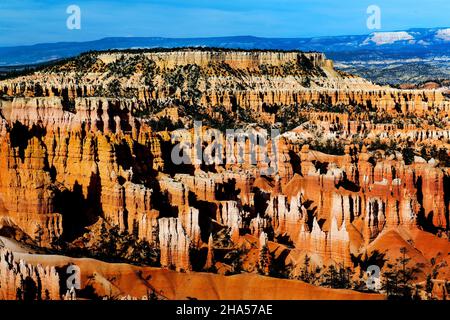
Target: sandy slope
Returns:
[421, 247]
[124, 279]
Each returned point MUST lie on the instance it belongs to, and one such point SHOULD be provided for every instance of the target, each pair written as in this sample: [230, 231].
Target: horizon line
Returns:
[217, 37]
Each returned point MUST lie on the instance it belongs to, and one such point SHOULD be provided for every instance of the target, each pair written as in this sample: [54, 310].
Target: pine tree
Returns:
[235, 259]
[330, 277]
[305, 272]
[429, 286]
[104, 238]
[265, 259]
[38, 234]
[398, 279]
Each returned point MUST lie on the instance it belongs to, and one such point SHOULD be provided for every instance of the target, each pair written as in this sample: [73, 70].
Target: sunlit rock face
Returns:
[83, 143]
[174, 244]
[22, 281]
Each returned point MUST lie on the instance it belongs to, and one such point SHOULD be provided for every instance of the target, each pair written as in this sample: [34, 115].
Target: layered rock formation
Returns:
[22, 281]
[91, 140]
[174, 244]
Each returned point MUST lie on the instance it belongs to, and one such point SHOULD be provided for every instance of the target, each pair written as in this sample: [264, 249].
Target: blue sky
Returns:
[38, 21]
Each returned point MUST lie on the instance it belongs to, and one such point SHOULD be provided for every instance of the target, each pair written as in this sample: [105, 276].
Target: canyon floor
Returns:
[221, 174]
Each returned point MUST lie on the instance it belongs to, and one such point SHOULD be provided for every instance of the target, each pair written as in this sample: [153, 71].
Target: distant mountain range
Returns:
[357, 53]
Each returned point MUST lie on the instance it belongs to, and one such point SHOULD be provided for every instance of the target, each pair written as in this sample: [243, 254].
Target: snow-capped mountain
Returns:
[421, 37]
[380, 38]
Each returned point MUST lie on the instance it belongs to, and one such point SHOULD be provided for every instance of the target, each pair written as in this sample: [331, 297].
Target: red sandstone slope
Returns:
[421, 248]
[128, 280]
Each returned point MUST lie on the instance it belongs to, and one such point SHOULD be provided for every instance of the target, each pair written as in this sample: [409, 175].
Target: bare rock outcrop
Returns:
[174, 244]
[22, 281]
